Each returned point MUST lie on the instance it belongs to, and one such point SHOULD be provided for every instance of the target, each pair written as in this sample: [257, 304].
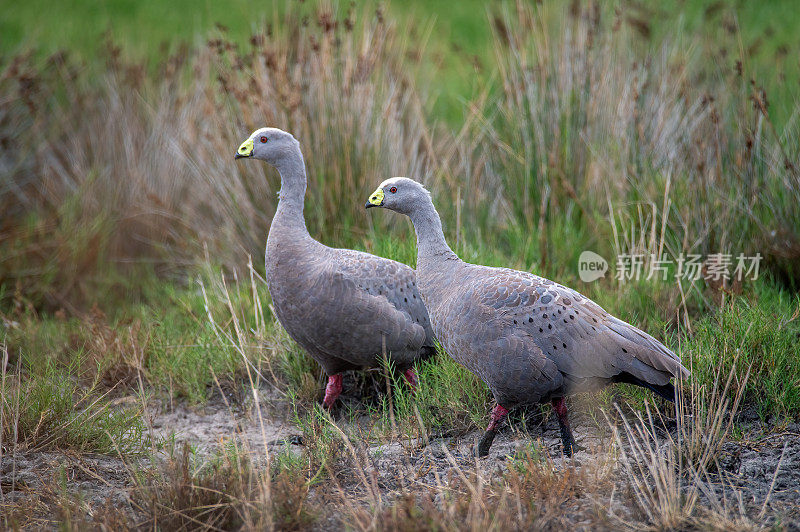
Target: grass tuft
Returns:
[51, 410]
[759, 336]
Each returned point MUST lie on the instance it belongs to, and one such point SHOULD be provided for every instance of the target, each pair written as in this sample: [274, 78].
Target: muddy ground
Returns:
[763, 464]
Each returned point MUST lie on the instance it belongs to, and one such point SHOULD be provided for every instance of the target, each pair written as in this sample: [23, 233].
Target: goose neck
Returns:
[431, 244]
[291, 196]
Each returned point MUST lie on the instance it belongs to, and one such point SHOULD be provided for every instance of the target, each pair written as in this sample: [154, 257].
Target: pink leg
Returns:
[560, 408]
[497, 416]
[332, 390]
[499, 413]
[411, 378]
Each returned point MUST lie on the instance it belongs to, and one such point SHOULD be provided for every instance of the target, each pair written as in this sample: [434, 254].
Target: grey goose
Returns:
[529, 339]
[344, 307]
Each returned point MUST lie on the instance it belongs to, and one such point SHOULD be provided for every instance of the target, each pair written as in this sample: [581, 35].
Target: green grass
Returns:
[450, 401]
[185, 352]
[52, 410]
[756, 335]
[178, 352]
[169, 342]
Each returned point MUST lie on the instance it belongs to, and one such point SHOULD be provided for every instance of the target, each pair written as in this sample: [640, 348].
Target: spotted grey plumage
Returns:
[344, 307]
[530, 339]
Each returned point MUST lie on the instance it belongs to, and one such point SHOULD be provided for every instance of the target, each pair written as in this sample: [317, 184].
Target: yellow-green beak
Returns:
[376, 200]
[245, 150]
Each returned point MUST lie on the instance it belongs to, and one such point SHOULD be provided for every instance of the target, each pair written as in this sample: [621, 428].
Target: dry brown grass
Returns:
[52, 504]
[594, 125]
[221, 495]
[674, 474]
[534, 493]
[116, 357]
[138, 168]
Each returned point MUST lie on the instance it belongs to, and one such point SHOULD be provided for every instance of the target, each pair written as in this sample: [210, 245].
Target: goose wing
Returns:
[581, 338]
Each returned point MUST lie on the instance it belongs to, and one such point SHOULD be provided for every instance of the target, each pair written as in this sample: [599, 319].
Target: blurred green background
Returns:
[457, 33]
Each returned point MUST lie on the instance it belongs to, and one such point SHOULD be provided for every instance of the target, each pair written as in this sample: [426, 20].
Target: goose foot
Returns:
[296, 439]
[567, 441]
[332, 391]
[497, 416]
[485, 443]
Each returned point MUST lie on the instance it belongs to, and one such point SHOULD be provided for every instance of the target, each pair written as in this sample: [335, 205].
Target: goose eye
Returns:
[264, 140]
[393, 190]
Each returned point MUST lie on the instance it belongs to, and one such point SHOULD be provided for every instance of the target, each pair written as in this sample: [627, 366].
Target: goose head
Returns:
[268, 144]
[399, 194]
